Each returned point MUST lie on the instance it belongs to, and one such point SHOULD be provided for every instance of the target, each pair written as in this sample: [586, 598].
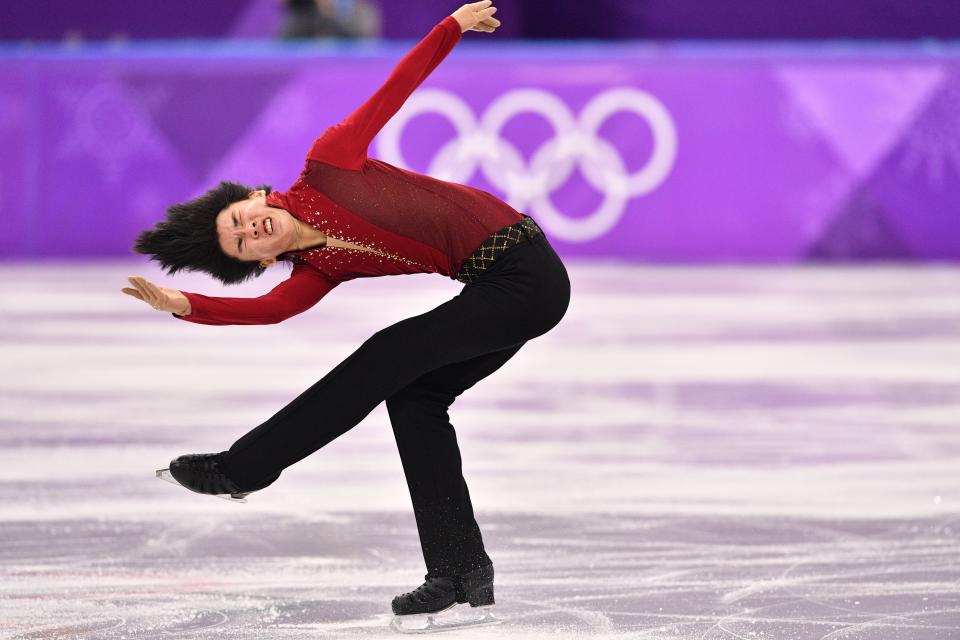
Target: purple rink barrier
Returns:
[676, 153]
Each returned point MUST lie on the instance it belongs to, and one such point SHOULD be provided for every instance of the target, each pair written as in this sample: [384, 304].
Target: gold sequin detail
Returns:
[319, 220]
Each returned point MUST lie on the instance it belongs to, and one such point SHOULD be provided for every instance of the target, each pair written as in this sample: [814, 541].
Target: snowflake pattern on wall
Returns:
[108, 128]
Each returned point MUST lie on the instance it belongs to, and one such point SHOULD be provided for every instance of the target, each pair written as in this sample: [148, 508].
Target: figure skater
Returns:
[350, 216]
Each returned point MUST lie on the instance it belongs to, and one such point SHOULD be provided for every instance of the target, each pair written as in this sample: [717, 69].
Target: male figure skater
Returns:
[348, 216]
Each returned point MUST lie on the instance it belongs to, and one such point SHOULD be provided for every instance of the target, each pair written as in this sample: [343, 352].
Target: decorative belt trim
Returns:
[484, 255]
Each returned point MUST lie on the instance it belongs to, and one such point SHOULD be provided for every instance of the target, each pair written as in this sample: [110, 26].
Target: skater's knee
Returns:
[399, 335]
[419, 398]
[403, 400]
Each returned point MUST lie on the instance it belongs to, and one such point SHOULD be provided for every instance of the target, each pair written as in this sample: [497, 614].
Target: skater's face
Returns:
[252, 231]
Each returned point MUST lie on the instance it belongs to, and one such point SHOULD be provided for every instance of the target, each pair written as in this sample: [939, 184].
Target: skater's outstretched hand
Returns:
[160, 298]
[477, 16]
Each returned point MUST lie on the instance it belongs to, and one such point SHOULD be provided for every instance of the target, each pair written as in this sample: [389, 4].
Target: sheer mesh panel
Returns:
[452, 218]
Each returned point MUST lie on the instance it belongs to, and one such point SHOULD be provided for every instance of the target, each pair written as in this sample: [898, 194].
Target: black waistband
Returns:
[494, 246]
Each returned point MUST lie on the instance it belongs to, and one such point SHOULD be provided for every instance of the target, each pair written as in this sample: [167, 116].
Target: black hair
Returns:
[187, 238]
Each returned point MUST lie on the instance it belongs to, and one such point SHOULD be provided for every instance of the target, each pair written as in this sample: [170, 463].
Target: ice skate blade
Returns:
[164, 474]
[453, 617]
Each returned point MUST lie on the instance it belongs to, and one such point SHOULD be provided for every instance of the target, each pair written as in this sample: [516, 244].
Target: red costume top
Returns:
[408, 222]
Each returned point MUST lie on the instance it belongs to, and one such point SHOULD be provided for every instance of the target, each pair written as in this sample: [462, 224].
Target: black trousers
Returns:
[419, 365]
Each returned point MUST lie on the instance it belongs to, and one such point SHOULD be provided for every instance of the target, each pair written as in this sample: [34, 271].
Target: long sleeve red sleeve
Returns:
[345, 144]
[296, 294]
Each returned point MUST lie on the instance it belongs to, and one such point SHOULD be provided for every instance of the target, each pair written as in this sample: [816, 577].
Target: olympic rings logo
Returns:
[576, 144]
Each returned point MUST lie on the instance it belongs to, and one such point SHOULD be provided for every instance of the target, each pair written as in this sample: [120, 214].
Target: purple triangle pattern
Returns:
[918, 183]
[861, 110]
[860, 231]
[203, 115]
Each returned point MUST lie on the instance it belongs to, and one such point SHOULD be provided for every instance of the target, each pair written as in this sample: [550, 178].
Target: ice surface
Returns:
[693, 453]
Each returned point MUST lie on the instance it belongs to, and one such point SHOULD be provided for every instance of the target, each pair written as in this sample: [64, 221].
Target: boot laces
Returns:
[428, 589]
[208, 468]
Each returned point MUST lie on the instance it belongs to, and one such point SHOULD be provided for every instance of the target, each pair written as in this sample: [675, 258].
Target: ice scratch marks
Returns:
[643, 578]
[596, 621]
[180, 540]
[196, 621]
[80, 630]
[781, 464]
[846, 631]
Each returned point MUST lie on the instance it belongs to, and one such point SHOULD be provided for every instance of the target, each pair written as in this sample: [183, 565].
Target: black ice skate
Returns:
[200, 472]
[433, 605]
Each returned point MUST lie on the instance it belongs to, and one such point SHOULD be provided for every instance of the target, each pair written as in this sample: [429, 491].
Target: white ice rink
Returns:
[697, 453]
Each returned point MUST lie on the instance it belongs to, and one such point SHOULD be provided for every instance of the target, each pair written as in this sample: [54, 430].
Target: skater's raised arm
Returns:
[345, 144]
[302, 290]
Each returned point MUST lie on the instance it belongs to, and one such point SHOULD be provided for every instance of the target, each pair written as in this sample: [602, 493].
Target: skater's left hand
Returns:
[160, 298]
[477, 16]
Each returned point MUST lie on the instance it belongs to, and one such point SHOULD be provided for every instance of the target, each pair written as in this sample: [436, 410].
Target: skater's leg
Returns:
[449, 535]
[526, 295]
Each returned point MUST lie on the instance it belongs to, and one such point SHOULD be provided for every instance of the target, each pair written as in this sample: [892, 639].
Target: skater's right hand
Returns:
[160, 298]
[476, 16]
